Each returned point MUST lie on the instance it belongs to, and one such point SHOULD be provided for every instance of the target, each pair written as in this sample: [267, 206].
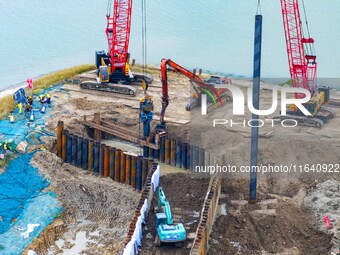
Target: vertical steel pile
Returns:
[256, 105]
[208, 213]
[101, 159]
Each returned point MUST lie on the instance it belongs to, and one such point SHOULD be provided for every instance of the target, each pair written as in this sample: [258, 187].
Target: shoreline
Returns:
[277, 81]
[42, 82]
[11, 90]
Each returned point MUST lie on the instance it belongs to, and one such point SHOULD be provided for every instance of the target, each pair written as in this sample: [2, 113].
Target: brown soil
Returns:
[186, 196]
[96, 208]
[293, 229]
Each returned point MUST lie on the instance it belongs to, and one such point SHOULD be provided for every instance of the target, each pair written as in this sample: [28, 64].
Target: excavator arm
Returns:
[163, 202]
[194, 79]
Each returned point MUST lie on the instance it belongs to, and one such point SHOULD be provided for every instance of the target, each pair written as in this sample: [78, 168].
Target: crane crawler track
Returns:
[301, 120]
[323, 116]
[109, 87]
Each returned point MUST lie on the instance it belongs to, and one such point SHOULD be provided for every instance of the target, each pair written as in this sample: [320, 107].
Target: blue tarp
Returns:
[23, 129]
[22, 199]
[41, 210]
[18, 183]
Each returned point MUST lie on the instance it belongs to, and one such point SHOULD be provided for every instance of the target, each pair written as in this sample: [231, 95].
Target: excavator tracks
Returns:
[109, 87]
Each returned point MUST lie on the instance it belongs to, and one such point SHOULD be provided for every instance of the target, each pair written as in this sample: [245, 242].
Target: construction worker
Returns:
[48, 98]
[11, 118]
[42, 99]
[19, 105]
[28, 107]
[7, 146]
[30, 100]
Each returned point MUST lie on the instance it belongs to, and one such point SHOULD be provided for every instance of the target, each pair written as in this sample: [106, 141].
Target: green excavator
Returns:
[167, 231]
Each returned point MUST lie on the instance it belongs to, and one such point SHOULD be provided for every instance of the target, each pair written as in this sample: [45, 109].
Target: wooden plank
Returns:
[123, 134]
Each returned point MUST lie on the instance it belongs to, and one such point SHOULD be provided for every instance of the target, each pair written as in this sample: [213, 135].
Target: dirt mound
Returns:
[325, 200]
[276, 224]
[97, 210]
[252, 233]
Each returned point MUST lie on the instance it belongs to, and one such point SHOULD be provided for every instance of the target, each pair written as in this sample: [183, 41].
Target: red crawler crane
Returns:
[303, 67]
[113, 68]
[118, 33]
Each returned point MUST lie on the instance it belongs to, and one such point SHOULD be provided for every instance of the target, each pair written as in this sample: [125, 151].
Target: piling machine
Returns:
[303, 68]
[200, 87]
[114, 74]
[167, 231]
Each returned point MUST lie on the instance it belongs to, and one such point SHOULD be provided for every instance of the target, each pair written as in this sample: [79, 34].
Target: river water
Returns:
[41, 36]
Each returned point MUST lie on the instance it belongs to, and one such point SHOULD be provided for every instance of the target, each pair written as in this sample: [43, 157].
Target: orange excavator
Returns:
[197, 83]
[200, 87]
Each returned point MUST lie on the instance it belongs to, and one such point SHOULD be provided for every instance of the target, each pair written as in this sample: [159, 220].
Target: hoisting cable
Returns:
[144, 55]
[310, 47]
[109, 5]
[144, 47]
[258, 10]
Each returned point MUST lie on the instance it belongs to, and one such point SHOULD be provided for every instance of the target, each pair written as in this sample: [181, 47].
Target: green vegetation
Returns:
[7, 105]
[150, 69]
[289, 83]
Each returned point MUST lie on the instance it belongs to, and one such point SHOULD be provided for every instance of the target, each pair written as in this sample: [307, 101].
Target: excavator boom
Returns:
[194, 79]
[163, 202]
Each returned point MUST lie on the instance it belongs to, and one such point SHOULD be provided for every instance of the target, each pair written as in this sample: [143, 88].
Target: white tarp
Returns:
[144, 211]
[155, 178]
[130, 248]
[136, 240]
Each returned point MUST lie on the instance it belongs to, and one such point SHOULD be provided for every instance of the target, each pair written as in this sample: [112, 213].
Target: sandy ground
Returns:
[302, 199]
[96, 210]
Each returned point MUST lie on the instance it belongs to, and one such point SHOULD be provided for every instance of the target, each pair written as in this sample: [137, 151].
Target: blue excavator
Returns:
[167, 231]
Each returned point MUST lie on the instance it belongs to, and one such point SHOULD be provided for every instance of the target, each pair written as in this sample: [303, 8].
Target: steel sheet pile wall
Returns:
[181, 155]
[157, 146]
[101, 159]
[134, 236]
[207, 219]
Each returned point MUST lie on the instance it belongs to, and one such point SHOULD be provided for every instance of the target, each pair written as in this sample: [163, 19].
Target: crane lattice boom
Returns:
[302, 66]
[118, 32]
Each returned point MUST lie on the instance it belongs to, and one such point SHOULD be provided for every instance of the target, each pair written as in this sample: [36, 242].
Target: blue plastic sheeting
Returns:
[39, 210]
[18, 183]
[24, 129]
[22, 202]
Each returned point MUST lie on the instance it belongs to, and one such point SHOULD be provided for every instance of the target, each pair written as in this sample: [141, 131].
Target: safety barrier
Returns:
[208, 213]
[134, 236]
[101, 159]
